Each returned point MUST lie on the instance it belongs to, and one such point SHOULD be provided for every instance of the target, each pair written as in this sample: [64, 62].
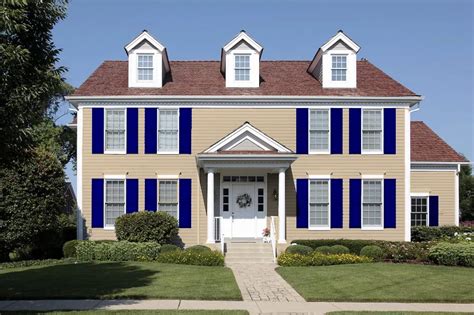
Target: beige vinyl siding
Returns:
[440, 184]
[209, 126]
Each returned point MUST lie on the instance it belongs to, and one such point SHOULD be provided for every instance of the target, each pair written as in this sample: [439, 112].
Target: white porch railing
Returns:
[273, 238]
[218, 233]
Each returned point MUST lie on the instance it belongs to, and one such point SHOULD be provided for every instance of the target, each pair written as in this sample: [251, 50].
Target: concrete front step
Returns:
[249, 256]
[249, 253]
[248, 260]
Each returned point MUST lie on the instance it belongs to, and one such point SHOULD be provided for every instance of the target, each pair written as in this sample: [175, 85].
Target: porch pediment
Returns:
[249, 139]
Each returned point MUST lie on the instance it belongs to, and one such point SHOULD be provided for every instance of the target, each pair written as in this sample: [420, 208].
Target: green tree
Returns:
[29, 76]
[466, 193]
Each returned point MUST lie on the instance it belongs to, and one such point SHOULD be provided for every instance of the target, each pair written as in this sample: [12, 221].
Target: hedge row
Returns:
[457, 254]
[319, 259]
[430, 233]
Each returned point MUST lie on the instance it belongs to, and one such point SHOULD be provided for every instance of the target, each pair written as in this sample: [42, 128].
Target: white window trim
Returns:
[328, 151]
[167, 178]
[158, 129]
[111, 178]
[382, 206]
[422, 195]
[238, 53]
[336, 55]
[381, 151]
[319, 228]
[151, 53]
[124, 151]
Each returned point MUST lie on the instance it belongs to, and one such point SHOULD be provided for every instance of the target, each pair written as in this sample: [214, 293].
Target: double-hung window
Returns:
[372, 203]
[339, 67]
[419, 211]
[168, 125]
[319, 204]
[114, 201]
[242, 67]
[145, 67]
[372, 130]
[168, 197]
[115, 130]
[319, 130]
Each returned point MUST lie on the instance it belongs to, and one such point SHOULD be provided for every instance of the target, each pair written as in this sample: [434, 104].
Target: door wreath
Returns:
[244, 200]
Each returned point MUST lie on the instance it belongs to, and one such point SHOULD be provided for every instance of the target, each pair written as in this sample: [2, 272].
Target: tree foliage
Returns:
[29, 77]
[466, 193]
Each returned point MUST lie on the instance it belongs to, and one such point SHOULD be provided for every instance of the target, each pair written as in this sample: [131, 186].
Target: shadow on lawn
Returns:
[73, 281]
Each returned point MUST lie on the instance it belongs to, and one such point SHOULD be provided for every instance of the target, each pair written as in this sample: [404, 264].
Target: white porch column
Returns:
[210, 207]
[281, 207]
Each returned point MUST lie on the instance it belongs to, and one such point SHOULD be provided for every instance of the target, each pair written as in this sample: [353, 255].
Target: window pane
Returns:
[372, 203]
[242, 67]
[115, 130]
[339, 68]
[145, 67]
[168, 197]
[319, 203]
[114, 201]
[168, 130]
[319, 130]
[419, 211]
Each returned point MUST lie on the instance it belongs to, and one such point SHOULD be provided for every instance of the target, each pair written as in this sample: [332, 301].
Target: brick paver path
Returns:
[260, 282]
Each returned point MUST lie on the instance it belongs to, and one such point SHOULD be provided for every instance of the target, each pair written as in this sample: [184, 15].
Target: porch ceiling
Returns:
[269, 162]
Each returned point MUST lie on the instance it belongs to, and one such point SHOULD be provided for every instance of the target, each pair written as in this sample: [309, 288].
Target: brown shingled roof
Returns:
[427, 146]
[204, 78]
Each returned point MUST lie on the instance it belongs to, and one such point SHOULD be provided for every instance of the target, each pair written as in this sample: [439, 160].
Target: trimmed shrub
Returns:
[354, 246]
[23, 253]
[458, 254]
[436, 233]
[117, 251]
[169, 248]
[69, 248]
[405, 251]
[190, 257]
[299, 249]
[319, 259]
[29, 263]
[339, 249]
[198, 249]
[323, 249]
[373, 251]
[146, 226]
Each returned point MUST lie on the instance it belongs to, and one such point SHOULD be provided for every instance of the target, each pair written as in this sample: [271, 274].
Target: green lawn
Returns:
[153, 312]
[119, 280]
[382, 282]
[394, 313]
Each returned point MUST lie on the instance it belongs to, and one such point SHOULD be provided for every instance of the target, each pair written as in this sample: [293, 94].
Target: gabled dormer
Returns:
[335, 63]
[147, 62]
[240, 61]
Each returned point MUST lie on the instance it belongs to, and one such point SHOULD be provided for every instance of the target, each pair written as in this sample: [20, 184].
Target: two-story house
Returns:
[323, 148]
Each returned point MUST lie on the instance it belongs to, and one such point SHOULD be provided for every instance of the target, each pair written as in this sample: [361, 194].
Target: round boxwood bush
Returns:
[372, 251]
[198, 249]
[69, 248]
[299, 249]
[146, 226]
[323, 249]
[169, 248]
[339, 249]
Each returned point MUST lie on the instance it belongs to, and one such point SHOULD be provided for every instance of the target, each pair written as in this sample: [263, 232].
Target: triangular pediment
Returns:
[247, 138]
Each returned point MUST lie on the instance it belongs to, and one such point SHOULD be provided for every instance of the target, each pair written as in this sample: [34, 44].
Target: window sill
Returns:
[109, 228]
[373, 228]
[115, 152]
[319, 152]
[167, 153]
[320, 228]
[372, 152]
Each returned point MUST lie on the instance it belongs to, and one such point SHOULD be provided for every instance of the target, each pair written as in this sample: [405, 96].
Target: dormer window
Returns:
[339, 67]
[145, 67]
[242, 67]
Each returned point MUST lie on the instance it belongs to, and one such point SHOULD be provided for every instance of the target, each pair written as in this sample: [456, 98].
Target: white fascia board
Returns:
[144, 36]
[340, 36]
[252, 130]
[437, 163]
[243, 36]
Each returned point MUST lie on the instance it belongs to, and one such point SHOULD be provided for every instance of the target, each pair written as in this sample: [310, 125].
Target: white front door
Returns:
[243, 207]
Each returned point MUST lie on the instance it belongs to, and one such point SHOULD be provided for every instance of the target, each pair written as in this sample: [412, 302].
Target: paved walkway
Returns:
[254, 308]
[260, 282]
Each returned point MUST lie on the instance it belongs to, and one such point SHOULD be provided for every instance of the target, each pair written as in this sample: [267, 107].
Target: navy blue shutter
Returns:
[390, 203]
[132, 130]
[355, 193]
[302, 203]
[389, 131]
[336, 203]
[302, 130]
[354, 130]
[97, 130]
[336, 130]
[185, 128]
[151, 130]
[132, 195]
[434, 210]
[185, 203]
[151, 194]
[97, 203]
